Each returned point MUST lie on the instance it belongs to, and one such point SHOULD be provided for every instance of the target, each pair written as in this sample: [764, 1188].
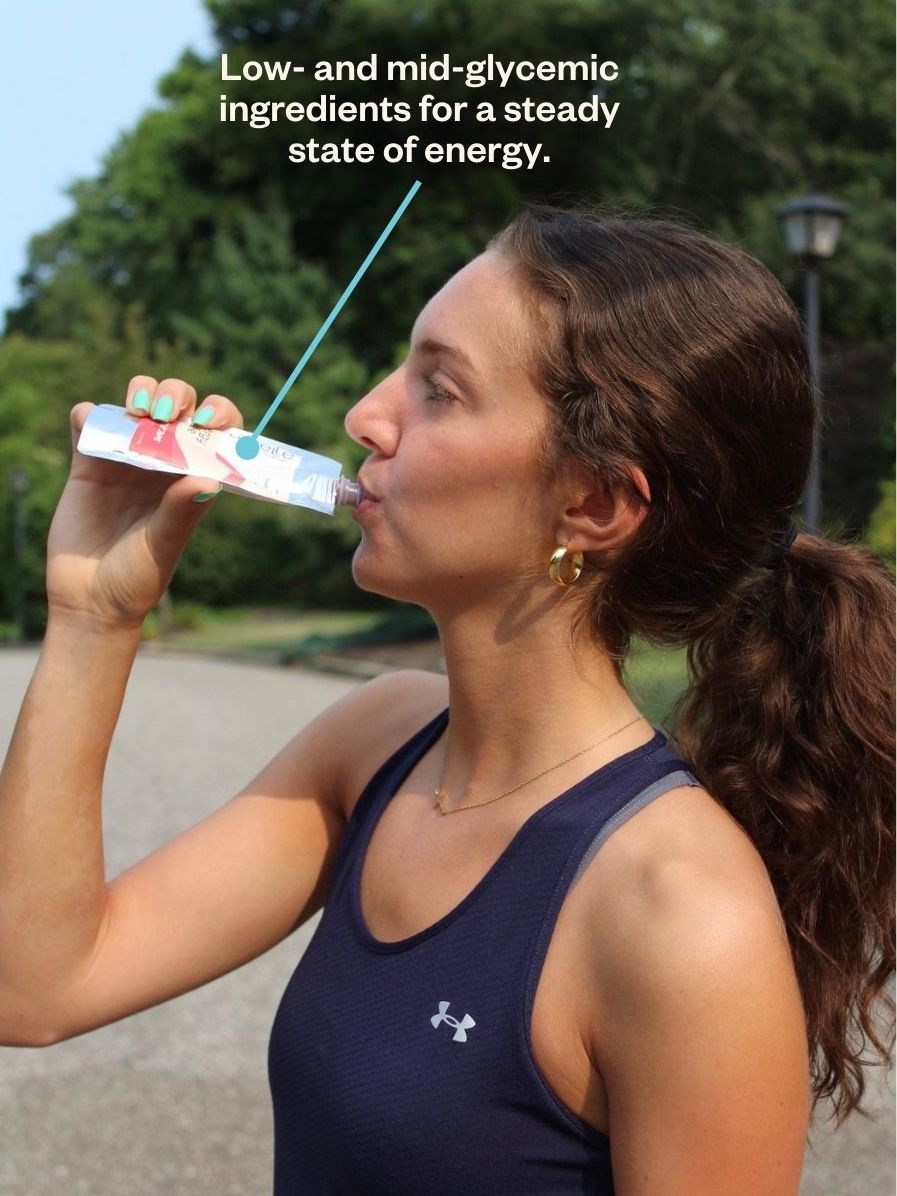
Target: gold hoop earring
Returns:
[556, 565]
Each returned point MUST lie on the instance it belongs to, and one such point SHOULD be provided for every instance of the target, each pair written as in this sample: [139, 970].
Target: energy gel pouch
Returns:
[278, 473]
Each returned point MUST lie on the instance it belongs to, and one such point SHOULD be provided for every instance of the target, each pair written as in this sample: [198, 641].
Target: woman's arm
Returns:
[75, 952]
[116, 536]
[78, 953]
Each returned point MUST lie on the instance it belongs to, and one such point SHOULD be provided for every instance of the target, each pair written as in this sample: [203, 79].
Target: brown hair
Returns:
[684, 356]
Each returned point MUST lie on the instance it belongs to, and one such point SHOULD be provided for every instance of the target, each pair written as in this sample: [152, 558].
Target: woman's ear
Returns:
[605, 514]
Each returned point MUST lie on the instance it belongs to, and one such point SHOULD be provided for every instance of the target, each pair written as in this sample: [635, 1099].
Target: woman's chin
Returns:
[369, 575]
[375, 579]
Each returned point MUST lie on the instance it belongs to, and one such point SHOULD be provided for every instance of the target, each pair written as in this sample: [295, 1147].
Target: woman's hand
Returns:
[118, 531]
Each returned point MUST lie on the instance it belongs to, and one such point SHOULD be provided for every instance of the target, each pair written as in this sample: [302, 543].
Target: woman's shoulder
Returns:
[684, 923]
[680, 877]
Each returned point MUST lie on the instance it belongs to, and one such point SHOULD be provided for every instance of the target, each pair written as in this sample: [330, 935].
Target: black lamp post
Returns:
[811, 226]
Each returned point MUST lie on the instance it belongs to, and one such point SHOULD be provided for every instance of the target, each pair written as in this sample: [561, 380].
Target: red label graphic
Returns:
[232, 477]
[159, 441]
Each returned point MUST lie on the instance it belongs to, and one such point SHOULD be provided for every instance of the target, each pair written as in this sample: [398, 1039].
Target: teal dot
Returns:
[247, 447]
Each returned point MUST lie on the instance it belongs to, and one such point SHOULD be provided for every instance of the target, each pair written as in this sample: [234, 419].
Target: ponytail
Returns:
[789, 723]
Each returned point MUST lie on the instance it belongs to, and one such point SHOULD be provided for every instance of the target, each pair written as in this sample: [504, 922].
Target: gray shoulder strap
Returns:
[673, 780]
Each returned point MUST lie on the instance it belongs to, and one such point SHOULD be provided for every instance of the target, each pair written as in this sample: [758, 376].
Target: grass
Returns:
[254, 630]
[401, 625]
[656, 677]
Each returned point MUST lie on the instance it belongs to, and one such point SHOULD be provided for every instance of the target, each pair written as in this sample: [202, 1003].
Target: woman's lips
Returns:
[368, 501]
[367, 495]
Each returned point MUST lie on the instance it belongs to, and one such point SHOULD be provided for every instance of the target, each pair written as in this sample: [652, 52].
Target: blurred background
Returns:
[196, 249]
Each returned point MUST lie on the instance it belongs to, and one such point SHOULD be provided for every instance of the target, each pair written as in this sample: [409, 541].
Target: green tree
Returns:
[200, 249]
[260, 305]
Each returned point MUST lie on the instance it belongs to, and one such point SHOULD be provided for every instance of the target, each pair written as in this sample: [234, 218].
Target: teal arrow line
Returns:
[337, 308]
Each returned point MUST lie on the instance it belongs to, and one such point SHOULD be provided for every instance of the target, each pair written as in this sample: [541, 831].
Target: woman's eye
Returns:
[435, 392]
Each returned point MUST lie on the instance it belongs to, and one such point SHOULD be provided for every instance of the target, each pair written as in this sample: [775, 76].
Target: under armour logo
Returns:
[461, 1027]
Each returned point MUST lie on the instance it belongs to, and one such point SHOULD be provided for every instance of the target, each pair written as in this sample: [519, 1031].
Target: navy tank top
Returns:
[406, 1068]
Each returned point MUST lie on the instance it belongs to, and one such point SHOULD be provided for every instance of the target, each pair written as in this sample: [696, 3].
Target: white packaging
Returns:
[277, 473]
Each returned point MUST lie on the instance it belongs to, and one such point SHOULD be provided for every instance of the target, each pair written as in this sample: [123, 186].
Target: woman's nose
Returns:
[372, 421]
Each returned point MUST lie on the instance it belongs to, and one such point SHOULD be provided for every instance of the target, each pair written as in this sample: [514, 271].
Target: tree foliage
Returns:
[198, 248]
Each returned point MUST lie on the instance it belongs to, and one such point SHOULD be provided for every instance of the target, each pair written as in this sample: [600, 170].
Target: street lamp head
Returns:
[811, 225]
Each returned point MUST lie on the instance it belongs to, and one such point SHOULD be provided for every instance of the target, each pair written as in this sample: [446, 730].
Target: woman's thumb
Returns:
[182, 506]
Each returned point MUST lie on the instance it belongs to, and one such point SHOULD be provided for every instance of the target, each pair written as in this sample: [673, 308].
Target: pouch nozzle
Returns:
[348, 494]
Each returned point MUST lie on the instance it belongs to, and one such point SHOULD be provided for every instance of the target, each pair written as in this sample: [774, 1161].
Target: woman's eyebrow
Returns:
[431, 348]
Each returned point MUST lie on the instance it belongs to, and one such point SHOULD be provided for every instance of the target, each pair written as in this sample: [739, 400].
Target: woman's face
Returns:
[462, 508]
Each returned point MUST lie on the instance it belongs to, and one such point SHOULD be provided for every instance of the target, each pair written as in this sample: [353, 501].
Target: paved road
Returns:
[174, 1102]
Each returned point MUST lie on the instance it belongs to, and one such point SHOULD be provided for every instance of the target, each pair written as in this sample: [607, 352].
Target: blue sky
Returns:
[74, 75]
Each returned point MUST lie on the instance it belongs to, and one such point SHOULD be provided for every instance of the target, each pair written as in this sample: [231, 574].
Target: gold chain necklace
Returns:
[440, 794]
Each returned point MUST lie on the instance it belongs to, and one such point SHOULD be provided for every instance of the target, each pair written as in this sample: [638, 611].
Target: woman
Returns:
[555, 955]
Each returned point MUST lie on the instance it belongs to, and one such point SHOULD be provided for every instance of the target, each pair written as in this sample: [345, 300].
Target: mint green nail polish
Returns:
[205, 496]
[203, 416]
[141, 401]
[163, 408]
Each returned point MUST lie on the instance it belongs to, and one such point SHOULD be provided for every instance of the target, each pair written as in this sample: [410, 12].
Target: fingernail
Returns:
[141, 400]
[163, 408]
[203, 416]
[206, 495]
